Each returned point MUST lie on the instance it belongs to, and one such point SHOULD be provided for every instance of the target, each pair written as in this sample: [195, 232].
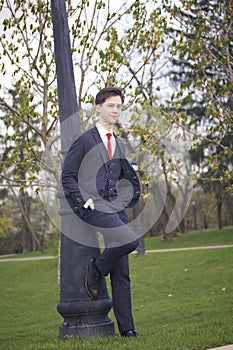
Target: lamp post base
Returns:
[86, 318]
[82, 316]
[87, 331]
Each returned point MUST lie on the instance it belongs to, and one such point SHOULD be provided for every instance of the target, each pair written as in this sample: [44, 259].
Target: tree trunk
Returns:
[30, 239]
[26, 234]
[159, 228]
[219, 204]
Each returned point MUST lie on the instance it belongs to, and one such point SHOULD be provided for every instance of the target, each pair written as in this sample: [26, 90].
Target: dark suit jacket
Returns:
[85, 173]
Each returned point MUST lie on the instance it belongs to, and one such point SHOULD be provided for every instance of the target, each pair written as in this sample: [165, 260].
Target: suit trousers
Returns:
[119, 240]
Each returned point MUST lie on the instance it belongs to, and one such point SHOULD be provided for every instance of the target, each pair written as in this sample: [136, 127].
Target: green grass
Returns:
[24, 255]
[181, 301]
[190, 239]
[193, 239]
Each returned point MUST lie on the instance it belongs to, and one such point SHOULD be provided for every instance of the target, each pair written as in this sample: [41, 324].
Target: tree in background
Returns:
[203, 75]
[27, 49]
[29, 109]
[131, 44]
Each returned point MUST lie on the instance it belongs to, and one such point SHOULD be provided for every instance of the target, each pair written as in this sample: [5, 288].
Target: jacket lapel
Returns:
[101, 148]
[120, 146]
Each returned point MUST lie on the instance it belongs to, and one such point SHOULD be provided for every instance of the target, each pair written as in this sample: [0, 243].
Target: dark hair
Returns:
[103, 94]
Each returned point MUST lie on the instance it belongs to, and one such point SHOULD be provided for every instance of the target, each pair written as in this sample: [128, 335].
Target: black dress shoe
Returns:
[92, 279]
[131, 333]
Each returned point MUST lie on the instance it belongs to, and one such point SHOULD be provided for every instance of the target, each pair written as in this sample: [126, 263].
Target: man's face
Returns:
[109, 111]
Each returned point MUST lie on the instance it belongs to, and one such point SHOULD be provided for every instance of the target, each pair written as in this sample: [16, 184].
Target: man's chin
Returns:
[113, 120]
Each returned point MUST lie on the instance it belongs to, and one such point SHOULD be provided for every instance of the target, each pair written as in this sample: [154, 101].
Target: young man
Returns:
[101, 183]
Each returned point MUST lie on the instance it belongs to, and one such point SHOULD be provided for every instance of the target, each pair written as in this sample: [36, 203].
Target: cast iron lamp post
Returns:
[83, 317]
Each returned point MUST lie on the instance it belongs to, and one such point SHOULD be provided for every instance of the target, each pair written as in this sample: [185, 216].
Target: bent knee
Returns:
[133, 245]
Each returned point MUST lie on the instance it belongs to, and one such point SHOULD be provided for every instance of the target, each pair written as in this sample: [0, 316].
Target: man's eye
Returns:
[112, 106]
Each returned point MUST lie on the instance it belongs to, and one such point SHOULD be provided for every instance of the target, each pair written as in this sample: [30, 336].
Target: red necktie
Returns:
[109, 145]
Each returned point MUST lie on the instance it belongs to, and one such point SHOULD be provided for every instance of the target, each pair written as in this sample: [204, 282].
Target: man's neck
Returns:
[107, 127]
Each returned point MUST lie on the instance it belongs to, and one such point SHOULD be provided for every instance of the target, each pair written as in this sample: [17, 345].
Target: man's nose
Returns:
[115, 109]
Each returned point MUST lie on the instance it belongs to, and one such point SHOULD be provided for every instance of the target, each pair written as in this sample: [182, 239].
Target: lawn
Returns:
[193, 239]
[181, 300]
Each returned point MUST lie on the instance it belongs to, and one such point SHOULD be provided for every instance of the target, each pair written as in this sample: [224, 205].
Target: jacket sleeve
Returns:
[76, 196]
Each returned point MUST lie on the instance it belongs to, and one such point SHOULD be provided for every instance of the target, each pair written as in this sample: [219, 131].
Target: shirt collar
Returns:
[102, 130]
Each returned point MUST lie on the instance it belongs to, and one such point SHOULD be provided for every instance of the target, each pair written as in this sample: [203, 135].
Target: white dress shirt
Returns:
[103, 134]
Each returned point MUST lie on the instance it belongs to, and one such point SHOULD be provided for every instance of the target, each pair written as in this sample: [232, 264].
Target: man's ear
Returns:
[97, 108]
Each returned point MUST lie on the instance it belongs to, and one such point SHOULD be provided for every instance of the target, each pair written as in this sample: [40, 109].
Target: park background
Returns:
[182, 299]
[174, 62]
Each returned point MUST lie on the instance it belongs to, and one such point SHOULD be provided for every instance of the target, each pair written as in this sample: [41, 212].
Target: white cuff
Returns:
[88, 202]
